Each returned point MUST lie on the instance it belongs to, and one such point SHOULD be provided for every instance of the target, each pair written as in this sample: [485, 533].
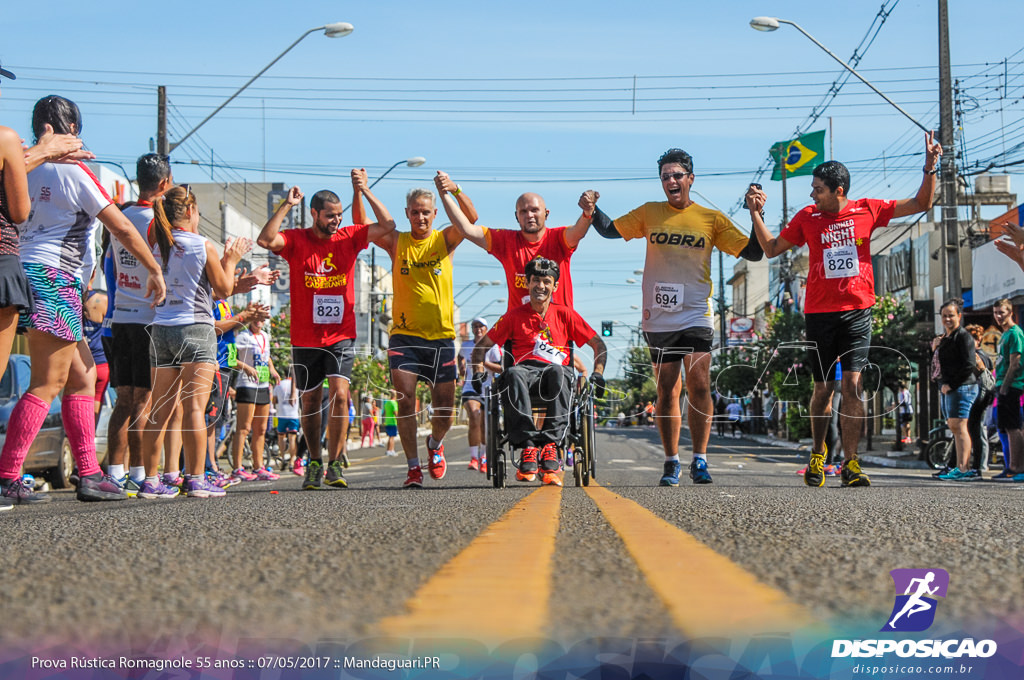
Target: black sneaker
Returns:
[336, 474]
[314, 476]
[99, 487]
[17, 492]
[852, 476]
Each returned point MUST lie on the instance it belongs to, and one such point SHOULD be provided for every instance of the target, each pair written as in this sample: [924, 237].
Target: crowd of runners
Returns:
[174, 348]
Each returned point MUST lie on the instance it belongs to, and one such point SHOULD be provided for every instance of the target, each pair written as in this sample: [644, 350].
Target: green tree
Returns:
[281, 339]
[896, 343]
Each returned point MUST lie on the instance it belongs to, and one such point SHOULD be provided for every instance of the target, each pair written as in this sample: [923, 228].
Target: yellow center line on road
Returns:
[498, 587]
[705, 593]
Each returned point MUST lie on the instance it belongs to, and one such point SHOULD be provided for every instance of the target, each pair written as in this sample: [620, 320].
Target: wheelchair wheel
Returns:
[495, 455]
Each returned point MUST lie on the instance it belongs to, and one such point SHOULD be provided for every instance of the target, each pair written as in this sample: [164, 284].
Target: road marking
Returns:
[498, 587]
[721, 599]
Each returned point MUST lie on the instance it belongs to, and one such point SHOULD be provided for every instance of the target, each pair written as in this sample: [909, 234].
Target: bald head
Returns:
[531, 213]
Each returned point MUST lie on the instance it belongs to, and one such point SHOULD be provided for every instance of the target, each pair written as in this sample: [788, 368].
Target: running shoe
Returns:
[527, 471]
[971, 476]
[198, 487]
[243, 475]
[415, 479]
[551, 478]
[437, 465]
[831, 470]
[474, 464]
[345, 463]
[671, 476]
[220, 479]
[173, 479]
[483, 466]
[336, 474]
[265, 475]
[314, 476]
[802, 471]
[852, 476]
[953, 475]
[16, 491]
[814, 474]
[699, 471]
[1018, 478]
[298, 469]
[100, 487]
[570, 457]
[130, 486]
[1003, 476]
[158, 490]
[944, 471]
[549, 458]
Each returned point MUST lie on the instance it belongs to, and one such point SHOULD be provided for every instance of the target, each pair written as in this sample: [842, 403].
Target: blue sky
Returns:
[519, 97]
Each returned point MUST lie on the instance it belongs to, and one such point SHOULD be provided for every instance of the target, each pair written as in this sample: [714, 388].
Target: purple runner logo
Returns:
[914, 609]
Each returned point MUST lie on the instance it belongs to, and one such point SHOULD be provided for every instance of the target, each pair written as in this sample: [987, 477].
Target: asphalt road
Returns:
[624, 558]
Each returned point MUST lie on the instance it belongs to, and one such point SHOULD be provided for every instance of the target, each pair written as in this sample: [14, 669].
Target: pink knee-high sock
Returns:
[78, 412]
[23, 426]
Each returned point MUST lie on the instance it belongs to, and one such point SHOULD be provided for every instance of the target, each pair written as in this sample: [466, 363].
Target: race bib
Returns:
[262, 374]
[328, 309]
[545, 352]
[668, 297]
[841, 262]
[232, 355]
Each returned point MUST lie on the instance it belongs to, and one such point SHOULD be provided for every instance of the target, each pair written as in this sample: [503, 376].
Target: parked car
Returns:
[50, 452]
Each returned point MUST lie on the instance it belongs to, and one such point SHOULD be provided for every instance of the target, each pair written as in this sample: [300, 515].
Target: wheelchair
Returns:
[576, 448]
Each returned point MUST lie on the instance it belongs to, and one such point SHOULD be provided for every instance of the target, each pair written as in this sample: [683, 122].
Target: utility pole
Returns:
[950, 228]
[163, 146]
[721, 300]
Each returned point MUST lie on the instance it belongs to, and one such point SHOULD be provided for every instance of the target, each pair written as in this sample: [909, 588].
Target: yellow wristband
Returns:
[458, 190]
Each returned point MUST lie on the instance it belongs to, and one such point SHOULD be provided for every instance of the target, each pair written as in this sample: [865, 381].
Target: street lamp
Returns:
[480, 284]
[414, 162]
[487, 306]
[337, 29]
[769, 24]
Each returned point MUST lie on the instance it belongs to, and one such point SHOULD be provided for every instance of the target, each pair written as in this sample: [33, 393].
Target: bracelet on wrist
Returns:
[930, 172]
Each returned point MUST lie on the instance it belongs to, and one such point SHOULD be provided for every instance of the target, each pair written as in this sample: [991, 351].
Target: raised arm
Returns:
[124, 231]
[220, 271]
[270, 237]
[55, 148]
[926, 192]
[453, 207]
[358, 180]
[19, 203]
[587, 203]
[772, 246]
[379, 231]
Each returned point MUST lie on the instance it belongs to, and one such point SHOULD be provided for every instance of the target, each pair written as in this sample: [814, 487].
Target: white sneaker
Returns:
[391, 453]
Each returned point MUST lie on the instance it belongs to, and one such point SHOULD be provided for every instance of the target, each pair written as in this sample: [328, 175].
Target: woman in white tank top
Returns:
[183, 347]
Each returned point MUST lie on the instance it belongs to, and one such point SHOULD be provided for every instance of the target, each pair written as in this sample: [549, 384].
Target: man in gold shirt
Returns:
[422, 344]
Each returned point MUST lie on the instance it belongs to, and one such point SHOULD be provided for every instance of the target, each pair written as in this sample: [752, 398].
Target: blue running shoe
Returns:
[158, 490]
[671, 476]
[699, 471]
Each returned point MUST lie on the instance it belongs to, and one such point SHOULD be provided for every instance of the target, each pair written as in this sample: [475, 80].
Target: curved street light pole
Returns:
[334, 30]
[768, 24]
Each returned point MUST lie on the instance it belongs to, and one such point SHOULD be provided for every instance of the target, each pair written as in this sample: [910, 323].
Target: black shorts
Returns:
[472, 396]
[1008, 416]
[128, 355]
[670, 347]
[252, 395]
[431, 360]
[312, 365]
[838, 336]
[217, 406]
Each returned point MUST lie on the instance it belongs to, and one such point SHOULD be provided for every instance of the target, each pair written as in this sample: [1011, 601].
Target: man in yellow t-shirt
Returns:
[422, 343]
[678, 321]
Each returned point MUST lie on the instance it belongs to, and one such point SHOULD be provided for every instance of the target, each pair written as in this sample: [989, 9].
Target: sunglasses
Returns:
[675, 175]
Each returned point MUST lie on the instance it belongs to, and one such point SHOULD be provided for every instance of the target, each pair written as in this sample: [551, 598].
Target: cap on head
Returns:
[479, 321]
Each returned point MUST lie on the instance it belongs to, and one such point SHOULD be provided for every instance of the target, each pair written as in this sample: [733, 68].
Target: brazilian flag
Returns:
[801, 155]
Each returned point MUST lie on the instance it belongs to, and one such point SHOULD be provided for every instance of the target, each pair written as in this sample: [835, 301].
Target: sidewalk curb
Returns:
[879, 459]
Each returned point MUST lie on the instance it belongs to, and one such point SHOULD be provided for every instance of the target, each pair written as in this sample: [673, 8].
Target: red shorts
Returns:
[102, 380]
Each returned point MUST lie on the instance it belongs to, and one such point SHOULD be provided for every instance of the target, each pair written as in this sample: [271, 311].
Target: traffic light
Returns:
[606, 329]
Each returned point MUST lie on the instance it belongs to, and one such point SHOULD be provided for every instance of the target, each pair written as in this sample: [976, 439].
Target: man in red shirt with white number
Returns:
[539, 334]
[840, 293]
[323, 324]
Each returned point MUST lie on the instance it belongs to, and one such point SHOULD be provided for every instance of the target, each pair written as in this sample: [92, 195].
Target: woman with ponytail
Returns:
[183, 350]
[54, 240]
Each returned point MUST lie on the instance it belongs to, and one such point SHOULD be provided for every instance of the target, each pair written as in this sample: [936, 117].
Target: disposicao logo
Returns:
[914, 611]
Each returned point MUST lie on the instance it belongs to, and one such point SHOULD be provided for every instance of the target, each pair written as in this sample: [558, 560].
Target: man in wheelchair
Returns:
[537, 338]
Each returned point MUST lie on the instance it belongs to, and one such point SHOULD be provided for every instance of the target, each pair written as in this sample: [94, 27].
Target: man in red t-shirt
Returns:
[534, 239]
[321, 259]
[539, 334]
[840, 293]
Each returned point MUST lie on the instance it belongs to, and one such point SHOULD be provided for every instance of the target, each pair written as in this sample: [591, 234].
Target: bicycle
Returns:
[940, 449]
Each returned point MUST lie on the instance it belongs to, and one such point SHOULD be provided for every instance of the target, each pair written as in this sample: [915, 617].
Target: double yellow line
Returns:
[499, 587]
